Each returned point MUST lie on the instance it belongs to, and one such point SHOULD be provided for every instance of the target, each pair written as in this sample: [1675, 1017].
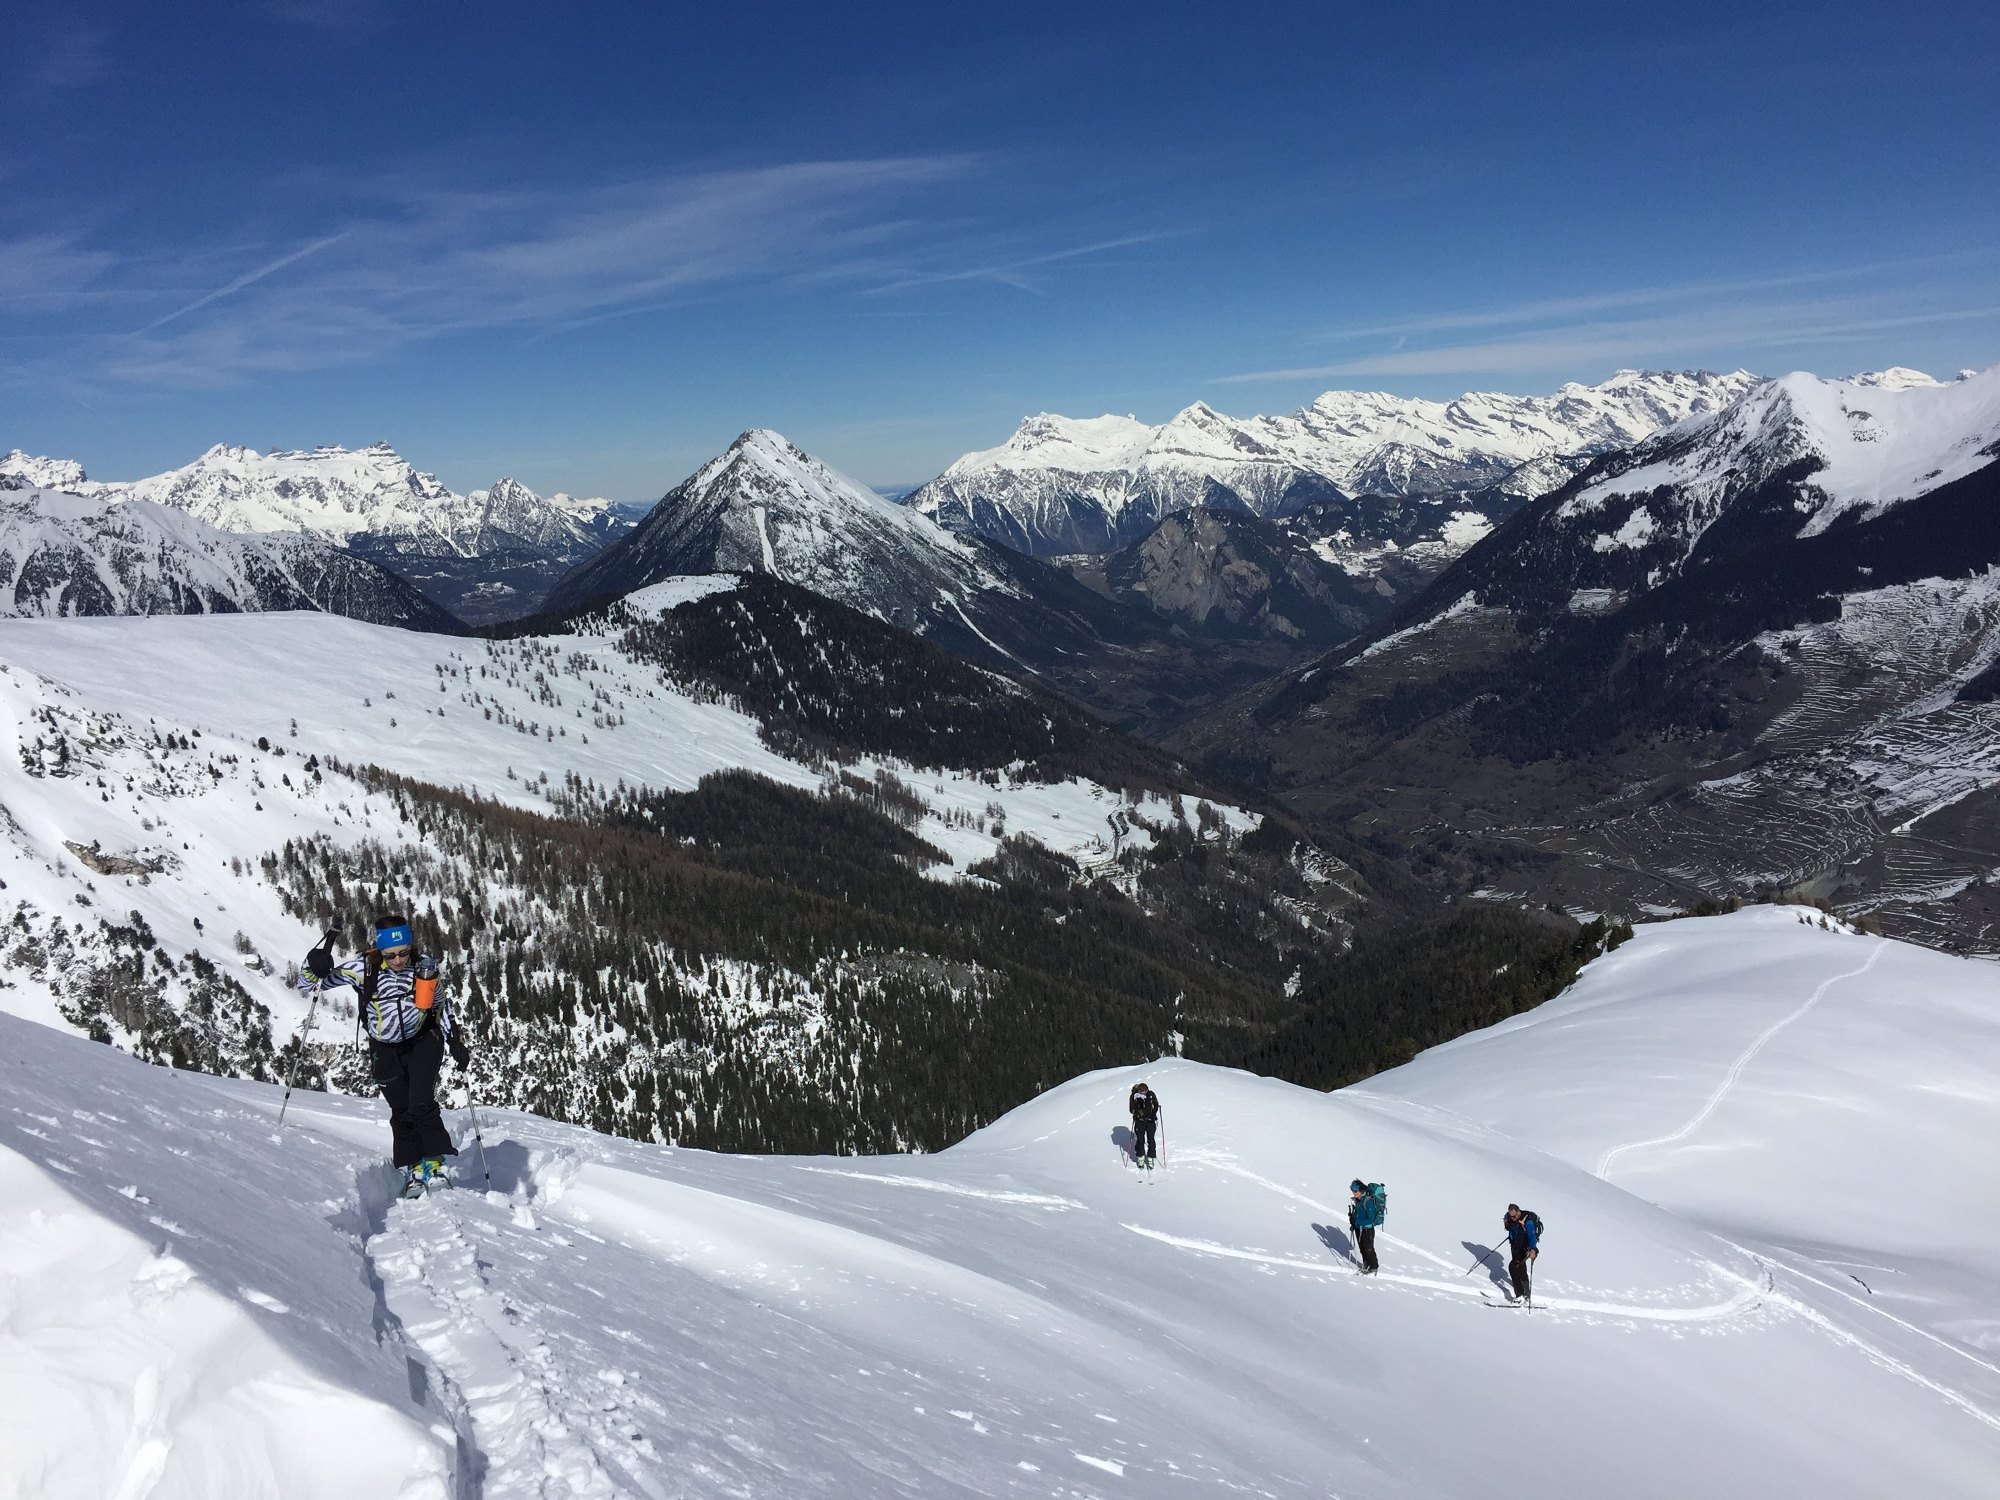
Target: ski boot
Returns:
[431, 1172]
[413, 1184]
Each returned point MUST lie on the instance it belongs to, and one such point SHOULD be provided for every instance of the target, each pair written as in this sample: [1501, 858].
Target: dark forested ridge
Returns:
[1662, 665]
[826, 678]
[1404, 987]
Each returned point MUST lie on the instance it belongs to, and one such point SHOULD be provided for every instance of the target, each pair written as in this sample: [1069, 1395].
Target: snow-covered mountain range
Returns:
[1755, 1143]
[1063, 484]
[484, 554]
[1796, 457]
[766, 505]
[66, 554]
[1774, 633]
[1795, 460]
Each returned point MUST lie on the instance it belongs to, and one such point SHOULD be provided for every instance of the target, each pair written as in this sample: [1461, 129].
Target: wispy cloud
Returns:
[1643, 341]
[50, 269]
[404, 261]
[1702, 319]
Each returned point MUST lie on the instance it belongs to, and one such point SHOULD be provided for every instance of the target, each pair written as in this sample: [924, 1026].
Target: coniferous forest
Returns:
[754, 967]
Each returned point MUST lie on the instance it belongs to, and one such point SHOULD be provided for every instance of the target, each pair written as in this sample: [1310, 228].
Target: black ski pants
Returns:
[408, 1074]
[1365, 1238]
[1145, 1138]
[1517, 1268]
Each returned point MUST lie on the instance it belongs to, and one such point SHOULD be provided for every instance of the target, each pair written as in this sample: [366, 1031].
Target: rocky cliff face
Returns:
[1224, 575]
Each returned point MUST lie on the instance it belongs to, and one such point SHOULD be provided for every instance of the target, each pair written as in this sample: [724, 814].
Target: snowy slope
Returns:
[1021, 1314]
[1780, 1081]
[66, 554]
[1062, 484]
[1864, 444]
[86, 704]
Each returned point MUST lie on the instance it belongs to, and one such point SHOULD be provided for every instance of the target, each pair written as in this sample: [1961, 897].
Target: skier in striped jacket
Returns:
[410, 1025]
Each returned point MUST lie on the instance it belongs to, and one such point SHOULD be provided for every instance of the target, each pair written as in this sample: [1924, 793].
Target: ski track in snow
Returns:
[524, 1421]
[1222, 1161]
[1747, 1300]
[1819, 1319]
[1874, 1353]
[956, 1190]
[1736, 1068]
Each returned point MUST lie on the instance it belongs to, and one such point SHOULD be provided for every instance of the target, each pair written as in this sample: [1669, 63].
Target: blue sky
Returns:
[587, 245]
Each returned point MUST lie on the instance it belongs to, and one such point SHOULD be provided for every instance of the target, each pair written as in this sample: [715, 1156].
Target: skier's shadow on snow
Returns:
[1335, 1241]
[1122, 1138]
[1496, 1268]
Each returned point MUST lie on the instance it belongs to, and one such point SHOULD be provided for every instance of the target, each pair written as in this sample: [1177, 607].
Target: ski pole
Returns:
[477, 1139]
[305, 1031]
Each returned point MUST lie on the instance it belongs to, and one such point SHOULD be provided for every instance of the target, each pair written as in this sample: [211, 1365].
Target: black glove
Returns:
[460, 1053]
[319, 964]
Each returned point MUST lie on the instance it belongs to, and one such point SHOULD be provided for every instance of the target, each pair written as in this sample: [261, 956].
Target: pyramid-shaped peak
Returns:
[508, 490]
[769, 442]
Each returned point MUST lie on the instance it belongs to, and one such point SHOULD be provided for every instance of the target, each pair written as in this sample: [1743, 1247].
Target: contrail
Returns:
[242, 281]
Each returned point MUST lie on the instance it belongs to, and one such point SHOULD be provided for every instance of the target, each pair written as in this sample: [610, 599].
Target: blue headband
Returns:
[393, 937]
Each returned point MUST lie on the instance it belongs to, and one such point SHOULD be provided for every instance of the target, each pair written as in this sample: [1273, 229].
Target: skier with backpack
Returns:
[1145, 1107]
[1524, 1238]
[410, 1025]
[1368, 1206]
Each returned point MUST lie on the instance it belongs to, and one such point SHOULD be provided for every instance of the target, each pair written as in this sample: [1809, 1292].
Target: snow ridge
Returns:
[1866, 445]
[1067, 484]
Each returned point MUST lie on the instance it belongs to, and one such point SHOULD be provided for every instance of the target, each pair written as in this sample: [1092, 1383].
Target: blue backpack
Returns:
[1374, 1207]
